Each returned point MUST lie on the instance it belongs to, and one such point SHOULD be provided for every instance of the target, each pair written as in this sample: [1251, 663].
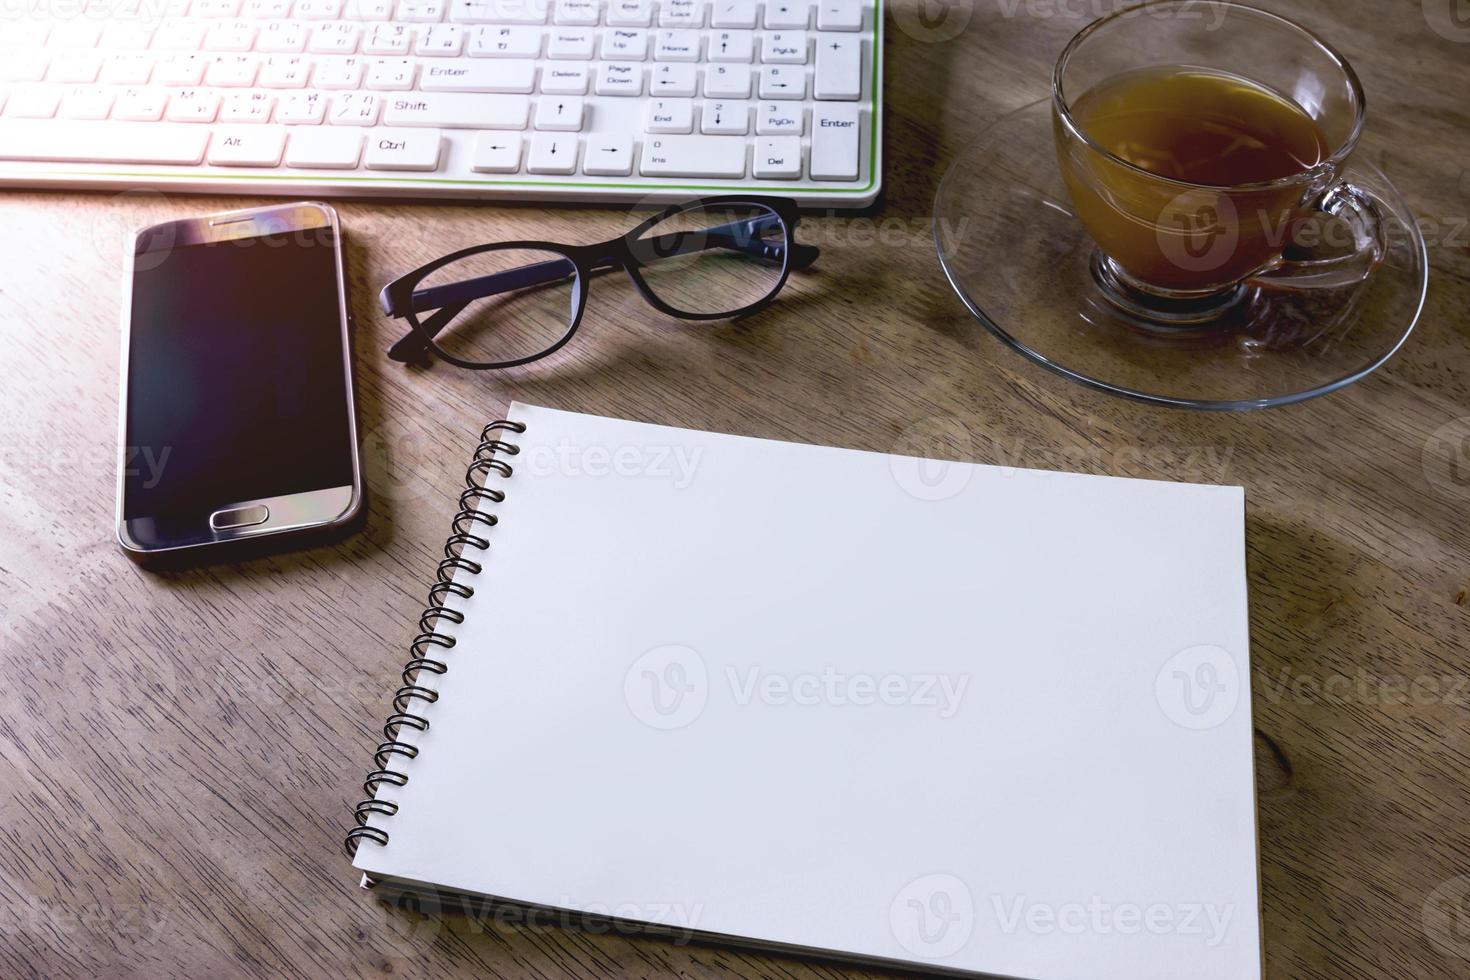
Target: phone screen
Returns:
[237, 379]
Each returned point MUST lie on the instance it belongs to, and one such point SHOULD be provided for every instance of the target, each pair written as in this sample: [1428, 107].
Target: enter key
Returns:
[836, 148]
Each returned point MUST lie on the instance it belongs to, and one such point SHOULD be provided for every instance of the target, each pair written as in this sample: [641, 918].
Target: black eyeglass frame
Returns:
[398, 297]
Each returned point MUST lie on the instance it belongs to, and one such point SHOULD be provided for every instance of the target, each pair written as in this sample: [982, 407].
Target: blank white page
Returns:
[962, 717]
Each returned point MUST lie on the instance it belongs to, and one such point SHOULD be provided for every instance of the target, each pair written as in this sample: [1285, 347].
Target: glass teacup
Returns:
[1176, 250]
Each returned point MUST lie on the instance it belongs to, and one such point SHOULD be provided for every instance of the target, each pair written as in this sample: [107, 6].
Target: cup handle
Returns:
[1334, 264]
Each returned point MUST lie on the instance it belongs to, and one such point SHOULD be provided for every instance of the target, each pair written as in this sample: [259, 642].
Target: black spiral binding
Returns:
[467, 521]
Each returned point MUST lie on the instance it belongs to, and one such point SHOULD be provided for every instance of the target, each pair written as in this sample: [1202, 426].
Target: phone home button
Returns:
[238, 517]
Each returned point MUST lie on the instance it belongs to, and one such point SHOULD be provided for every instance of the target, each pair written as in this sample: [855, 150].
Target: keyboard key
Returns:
[787, 14]
[184, 70]
[733, 13]
[281, 37]
[76, 32]
[403, 149]
[578, 13]
[24, 66]
[780, 119]
[553, 154]
[232, 71]
[693, 156]
[324, 149]
[391, 74]
[727, 81]
[440, 41]
[339, 73]
[425, 11]
[315, 9]
[621, 80]
[126, 36]
[506, 42]
[497, 153]
[230, 35]
[674, 80]
[839, 15]
[778, 158]
[630, 13]
[247, 146]
[448, 111]
[625, 45]
[193, 106]
[278, 9]
[127, 69]
[681, 13]
[216, 8]
[388, 39]
[499, 12]
[72, 67]
[64, 141]
[179, 36]
[140, 105]
[86, 102]
[784, 48]
[677, 46]
[337, 38]
[670, 116]
[303, 109]
[248, 107]
[738, 46]
[569, 80]
[285, 72]
[355, 109]
[608, 156]
[725, 119]
[783, 82]
[516, 77]
[571, 45]
[563, 115]
[835, 148]
[839, 73]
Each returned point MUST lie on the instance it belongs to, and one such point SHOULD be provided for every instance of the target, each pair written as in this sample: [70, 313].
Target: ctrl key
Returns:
[403, 149]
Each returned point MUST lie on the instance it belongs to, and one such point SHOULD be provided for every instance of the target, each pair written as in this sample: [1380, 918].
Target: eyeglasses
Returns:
[500, 306]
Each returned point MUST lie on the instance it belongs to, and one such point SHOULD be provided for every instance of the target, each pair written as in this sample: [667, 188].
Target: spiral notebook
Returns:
[934, 716]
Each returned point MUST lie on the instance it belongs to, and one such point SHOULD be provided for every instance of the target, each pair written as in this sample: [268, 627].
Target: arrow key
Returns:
[609, 156]
[553, 153]
[498, 153]
[561, 113]
[783, 82]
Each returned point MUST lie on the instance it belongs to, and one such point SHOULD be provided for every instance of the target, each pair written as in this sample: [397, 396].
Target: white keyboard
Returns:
[556, 100]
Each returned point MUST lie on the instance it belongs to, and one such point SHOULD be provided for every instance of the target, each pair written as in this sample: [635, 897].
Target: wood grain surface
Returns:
[178, 752]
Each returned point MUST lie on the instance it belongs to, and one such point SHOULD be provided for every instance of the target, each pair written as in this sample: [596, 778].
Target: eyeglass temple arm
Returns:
[451, 299]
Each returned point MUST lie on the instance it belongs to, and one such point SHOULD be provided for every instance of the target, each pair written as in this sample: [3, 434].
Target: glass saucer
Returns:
[1016, 255]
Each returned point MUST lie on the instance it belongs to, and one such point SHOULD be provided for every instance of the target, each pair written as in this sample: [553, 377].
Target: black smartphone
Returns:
[237, 412]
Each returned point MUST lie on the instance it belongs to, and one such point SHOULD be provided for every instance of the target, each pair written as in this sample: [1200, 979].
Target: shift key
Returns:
[835, 144]
[458, 111]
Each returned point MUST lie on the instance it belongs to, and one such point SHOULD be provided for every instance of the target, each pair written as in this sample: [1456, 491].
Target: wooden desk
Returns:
[178, 752]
